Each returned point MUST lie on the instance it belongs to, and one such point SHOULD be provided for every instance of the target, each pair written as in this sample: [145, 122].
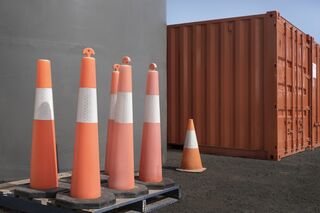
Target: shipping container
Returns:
[251, 84]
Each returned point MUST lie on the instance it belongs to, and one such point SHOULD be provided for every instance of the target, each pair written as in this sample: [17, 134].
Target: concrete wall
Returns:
[59, 30]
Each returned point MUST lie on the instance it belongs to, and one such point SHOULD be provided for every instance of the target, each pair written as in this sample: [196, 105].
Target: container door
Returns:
[315, 95]
[294, 89]
[302, 91]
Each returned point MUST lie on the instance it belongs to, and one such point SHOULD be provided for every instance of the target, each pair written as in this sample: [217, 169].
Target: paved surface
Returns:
[247, 185]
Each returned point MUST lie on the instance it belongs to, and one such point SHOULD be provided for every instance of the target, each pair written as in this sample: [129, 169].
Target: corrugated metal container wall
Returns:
[247, 83]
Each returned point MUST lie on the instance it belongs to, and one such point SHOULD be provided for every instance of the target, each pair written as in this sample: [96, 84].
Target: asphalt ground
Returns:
[232, 184]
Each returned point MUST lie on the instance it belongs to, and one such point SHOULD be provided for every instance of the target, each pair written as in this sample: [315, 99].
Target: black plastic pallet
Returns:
[154, 200]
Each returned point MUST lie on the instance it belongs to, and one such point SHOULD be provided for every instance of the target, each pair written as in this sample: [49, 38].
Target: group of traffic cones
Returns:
[119, 161]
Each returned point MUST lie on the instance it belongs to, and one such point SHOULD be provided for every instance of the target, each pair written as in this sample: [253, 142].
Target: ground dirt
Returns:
[233, 184]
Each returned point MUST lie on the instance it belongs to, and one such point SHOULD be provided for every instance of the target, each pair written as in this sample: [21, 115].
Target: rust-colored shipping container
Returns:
[251, 84]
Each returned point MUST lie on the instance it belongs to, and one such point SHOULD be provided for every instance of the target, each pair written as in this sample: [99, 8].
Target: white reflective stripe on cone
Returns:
[87, 106]
[123, 111]
[191, 140]
[43, 106]
[152, 109]
[113, 101]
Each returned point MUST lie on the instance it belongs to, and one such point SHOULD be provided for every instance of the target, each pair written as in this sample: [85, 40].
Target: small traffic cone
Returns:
[150, 158]
[43, 171]
[85, 180]
[121, 173]
[191, 160]
[110, 132]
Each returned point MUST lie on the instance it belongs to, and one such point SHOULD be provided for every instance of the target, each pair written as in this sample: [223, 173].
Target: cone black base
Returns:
[165, 183]
[27, 192]
[64, 199]
[103, 178]
[137, 191]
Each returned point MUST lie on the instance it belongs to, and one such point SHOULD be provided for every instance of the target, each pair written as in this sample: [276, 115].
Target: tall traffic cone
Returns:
[43, 171]
[85, 180]
[150, 158]
[110, 132]
[86, 191]
[122, 162]
[191, 160]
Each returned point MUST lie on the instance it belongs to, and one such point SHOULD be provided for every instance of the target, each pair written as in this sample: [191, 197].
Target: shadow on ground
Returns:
[246, 185]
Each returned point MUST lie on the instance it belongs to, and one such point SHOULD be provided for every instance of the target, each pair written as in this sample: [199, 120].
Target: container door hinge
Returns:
[308, 140]
[289, 131]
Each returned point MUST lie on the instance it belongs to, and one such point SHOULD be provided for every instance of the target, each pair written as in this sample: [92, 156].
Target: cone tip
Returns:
[43, 79]
[88, 52]
[43, 60]
[126, 60]
[153, 66]
[116, 67]
[190, 124]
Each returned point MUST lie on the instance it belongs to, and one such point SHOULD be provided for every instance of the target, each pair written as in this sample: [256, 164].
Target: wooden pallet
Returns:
[154, 200]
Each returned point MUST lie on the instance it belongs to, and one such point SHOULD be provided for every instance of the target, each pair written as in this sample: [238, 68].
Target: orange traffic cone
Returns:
[113, 99]
[43, 171]
[191, 160]
[85, 181]
[150, 158]
[122, 162]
